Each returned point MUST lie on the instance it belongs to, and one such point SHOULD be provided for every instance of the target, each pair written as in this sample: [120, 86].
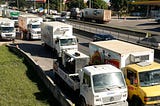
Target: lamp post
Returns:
[18, 4]
[48, 7]
[89, 3]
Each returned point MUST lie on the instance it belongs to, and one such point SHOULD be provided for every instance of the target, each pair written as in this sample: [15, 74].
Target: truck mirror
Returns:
[57, 40]
[77, 40]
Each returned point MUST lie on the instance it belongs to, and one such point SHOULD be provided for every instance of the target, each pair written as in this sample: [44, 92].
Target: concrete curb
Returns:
[57, 93]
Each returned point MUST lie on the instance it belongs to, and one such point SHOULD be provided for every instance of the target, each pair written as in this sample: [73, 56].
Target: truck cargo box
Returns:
[119, 53]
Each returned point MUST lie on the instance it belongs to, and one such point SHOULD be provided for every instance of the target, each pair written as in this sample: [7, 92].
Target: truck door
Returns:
[132, 82]
[86, 89]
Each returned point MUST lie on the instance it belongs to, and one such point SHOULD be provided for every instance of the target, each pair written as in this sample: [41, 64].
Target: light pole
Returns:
[48, 7]
[89, 3]
[18, 4]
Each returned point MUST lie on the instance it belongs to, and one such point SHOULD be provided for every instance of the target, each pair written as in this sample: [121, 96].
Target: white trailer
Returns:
[7, 30]
[95, 83]
[58, 36]
[29, 26]
[119, 53]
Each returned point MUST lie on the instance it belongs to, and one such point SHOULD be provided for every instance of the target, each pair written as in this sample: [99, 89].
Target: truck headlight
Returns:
[97, 99]
[146, 99]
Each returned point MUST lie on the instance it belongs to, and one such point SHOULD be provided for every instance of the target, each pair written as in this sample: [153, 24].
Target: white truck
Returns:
[58, 36]
[29, 26]
[13, 15]
[142, 74]
[7, 30]
[97, 85]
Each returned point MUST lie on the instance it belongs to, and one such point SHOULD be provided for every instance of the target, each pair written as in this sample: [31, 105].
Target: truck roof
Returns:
[100, 69]
[149, 67]
[29, 15]
[121, 47]
[57, 24]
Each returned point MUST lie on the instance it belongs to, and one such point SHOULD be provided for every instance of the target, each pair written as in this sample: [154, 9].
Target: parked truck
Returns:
[29, 26]
[97, 85]
[7, 31]
[142, 74]
[59, 36]
[97, 15]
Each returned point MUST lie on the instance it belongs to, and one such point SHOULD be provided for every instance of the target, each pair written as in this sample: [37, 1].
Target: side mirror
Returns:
[77, 40]
[57, 40]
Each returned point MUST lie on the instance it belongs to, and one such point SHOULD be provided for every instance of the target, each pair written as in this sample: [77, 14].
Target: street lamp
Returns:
[18, 4]
[89, 3]
[48, 7]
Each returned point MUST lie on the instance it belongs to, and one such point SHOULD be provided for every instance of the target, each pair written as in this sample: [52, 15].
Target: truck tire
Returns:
[136, 102]
[28, 37]
[82, 102]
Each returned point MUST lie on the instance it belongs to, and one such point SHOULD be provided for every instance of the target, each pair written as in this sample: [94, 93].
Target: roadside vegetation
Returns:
[19, 84]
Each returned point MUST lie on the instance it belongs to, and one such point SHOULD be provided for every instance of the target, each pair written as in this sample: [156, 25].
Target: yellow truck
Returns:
[142, 74]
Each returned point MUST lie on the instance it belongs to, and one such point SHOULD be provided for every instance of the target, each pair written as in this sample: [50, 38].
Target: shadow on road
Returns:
[36, 50]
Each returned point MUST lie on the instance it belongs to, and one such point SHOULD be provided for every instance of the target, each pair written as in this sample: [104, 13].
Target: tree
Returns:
[120, 6]
[101, 4]
[75, 4]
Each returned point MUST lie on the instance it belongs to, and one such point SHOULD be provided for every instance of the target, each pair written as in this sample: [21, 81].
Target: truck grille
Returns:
[155, 98]
[38, 32]
[8, 35]
[111, 99]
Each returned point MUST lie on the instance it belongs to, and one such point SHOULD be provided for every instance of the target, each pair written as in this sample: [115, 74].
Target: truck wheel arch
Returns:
[82, 101]
[136, 101]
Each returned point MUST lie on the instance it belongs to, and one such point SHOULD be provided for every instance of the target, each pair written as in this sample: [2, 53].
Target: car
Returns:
[153, 41]
[103, 37]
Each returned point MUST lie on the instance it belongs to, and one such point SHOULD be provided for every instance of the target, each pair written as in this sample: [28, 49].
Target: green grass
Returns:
[19, 84]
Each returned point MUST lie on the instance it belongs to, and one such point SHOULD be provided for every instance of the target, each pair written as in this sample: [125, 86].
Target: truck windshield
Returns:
[7, 29]
[35, 26]
[108, 81]
[149, 78]
[67, 42]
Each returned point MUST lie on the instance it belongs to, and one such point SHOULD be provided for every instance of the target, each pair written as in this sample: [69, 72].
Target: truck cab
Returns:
[143, 80]
[7, 30]
[34, 29]
[102, 85]
[66, 43]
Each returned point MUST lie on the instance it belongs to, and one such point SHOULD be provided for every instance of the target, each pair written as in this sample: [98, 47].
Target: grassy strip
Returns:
[19, 84]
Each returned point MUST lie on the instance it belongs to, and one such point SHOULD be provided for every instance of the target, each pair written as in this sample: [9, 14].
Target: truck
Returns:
[97, 15]
[7, 31]
[142, 73]
[13, 15]
[29, 26]
[59, 36]
[96, 85]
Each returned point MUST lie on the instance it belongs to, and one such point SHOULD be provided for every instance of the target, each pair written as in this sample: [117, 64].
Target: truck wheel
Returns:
[136, 102]
[82, 102]
[28, 36]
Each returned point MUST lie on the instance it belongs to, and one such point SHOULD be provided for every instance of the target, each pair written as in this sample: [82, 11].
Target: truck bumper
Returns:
[36, 36]
[153, 105]
[122, 103]
[8, 36]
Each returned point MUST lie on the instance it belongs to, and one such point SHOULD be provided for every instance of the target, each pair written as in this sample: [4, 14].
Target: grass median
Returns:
[19, 84]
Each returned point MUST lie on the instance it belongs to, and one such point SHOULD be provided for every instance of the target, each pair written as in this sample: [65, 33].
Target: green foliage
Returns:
[20, 86]
[101, 4]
